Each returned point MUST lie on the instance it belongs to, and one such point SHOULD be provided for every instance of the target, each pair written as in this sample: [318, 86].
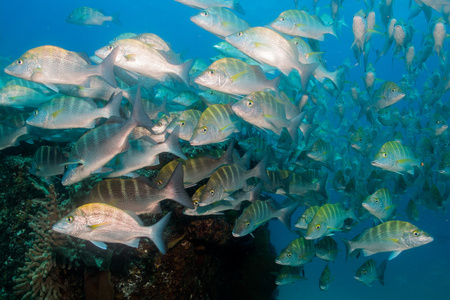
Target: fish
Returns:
[187, 121]
[368, 272]
[230, 178]
[269, 47]
[70, 112]
[10, 135]
[210, 97]
[99, 145]
[202, 4]
[100, 223]
[328, 219]
[139, 195]
[325, 279]
[90, 16]
[395, 157]
[306, 217]
[411, 211]
[391, 236]
[258, 213]
[265, 111]
[48, 161]
[299, 252]
[321, 151]
[300, 23]
[21, 97]
[444, 165]
[52, 65]
[290, 274]
[388, 94]
[360, 141]
[302, 184]
[219, 21]
[233, 76]
[327, 249]
[135, 56]
[380, 204]
[215, 125]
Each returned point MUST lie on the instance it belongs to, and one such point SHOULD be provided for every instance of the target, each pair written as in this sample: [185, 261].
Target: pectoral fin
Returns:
[238, 75]
[99, 244]
[95, 226]
[394, 254]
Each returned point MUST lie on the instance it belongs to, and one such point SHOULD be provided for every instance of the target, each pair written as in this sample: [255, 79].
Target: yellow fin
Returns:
[238, 75]
[259, 44]
[394, 240]
[226, 24]
[131, 57]
[95, 226]
[56, 113]
[299, 25]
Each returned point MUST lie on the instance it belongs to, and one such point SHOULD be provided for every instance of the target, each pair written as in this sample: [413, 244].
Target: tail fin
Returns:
[335, 76]
[307, 129]
[115, 18]
[113, 106]
[293, 126]
[183, 71]
[274, 85]
[321, 186]
[175, 187]
[138, 116]
[237, 7]
[260, 169]
[380, 272]
[227, 158]
[286, 213]
[156, 231]
[172, 144]
[105, 69]
[306, 71]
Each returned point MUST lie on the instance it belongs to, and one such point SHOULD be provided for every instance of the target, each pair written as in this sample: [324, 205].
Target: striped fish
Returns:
[391, 236]
[259, 213]
[290, 274]
[328, 218]
[411, 211]
[100, 223]
[48, 161]
[195, 169]
[368, 272]
[380, 204]
[233, 76]
[321, 151]
[302, 184]
[360, 141]
[444, 165]
[19, 96]
[98, 146]
[300, 23]
[216, 124]
[230, 178]
[298, 252]
[140, 195]
[325, 279]
[219, 21]
[10, 135]
[395, 157]
[306, 217]
[326, 249]
[187, 121]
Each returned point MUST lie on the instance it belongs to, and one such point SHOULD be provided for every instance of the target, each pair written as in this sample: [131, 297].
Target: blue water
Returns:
[420, 273]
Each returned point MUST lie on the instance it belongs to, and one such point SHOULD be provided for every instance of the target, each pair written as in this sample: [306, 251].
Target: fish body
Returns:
[360, 141]
[90, 16]
[325, 279]
[10, 135]
[297, 253]
[233, 76]
[395, 157]
[52, 65]
[187, 121]
[328, 218]
[259, 213]
[326, 249]
[368, 272]
[215, 125]
[100, 223]
[380, 204]
[48, 161]
[202, 4]
[411, 211]
[321, 151]
[300, 23]
[19, 96]
[391, 236]
[289, 274]
[306, 217]
[219, 21]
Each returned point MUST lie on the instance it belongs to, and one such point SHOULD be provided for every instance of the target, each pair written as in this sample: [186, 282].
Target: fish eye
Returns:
[438, 122]
[249, 103]
[365, 272]
[159, 124]
[318, 226]
[19, 62]
[240, 33]
[182, 123]
[392, 90]
[109, 47]
[385, 154]
[211, 92]
[289, 254]
[285, 275]
[159, 182]
[205, 13]
[360, 139]
[69, 219]
[211, 192]
[195, 203]
[416, 233]
[204, 129]
[212, 72]
[282, 19]
[376, 200]
[247, 223]
[36, 112]
[296, 42]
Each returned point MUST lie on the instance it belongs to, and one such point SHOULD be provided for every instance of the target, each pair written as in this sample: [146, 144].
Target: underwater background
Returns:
[419, 273]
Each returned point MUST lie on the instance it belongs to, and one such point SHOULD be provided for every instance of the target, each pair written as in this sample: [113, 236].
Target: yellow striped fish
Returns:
[368, 272]
[395, 157]
[298, 252]
[380, 204]
[306, 217]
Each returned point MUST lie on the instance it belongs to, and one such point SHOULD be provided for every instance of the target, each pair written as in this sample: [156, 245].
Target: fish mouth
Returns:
[7, 71]
[236, 234]
[374, 163]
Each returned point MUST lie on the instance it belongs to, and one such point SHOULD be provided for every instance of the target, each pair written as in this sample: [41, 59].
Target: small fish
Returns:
[411, 211]
[329, 218]
[219, 21]
[259, 213]
[444, 165]
[391, 236]
[360, 141]
[290, 274]
[91, 16]
[21, 96]
[48, 161]
[368, 272]
[211, 97]
[380, 204]
[395, 157]
[215, 125]
[100, 223]
[10, 135]
[388, 94]
[325, 279]
[187, 121]
[306, 217]
[140, 195]
[52, 65]
[297, 253]
[202, 4]
[326, 249]
[321, 151]
[304, 183]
